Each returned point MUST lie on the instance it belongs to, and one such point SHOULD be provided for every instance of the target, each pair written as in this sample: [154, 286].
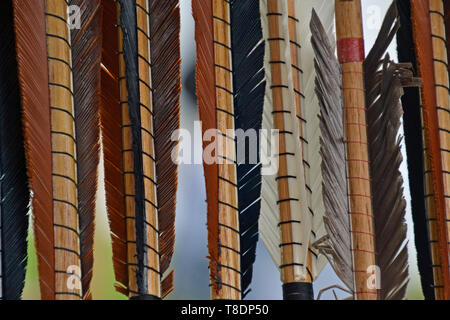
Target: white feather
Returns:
[270, 215]
[310, 111]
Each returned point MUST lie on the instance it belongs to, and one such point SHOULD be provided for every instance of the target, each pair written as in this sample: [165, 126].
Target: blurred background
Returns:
[190, 262]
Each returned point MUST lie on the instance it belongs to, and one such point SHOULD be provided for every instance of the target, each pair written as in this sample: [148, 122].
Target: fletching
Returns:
[249, 87]
[383, 93]
[45, 74]
[307, 104]
[150, 86]
[230, 56]
[285, 220]
[434, 151]
[86, 55]
[336, 245]
[384, 81]
[412, 127]
[14, 192]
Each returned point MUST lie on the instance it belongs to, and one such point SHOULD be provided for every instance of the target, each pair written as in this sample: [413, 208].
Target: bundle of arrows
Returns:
[320, 183]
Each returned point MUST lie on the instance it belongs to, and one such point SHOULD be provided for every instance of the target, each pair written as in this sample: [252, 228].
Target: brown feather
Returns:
[86, 55]
[33, 75]
[336, 246]
[204, 38]
[436, 203]
[384, 91]
[111, 121]
[384, 82]
[165, 55]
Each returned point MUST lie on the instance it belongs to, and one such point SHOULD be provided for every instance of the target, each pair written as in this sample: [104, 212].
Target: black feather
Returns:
[249, 88]
[128, 23]
[14, 192]
[412, 124]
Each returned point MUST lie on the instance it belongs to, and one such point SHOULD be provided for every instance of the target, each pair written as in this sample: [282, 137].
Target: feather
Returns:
[30, 29]
[216, 96]
[336, 245]
[384, 90]
[308, 110]
[435, 199]
[165, 55]
[140, 264]
[43, 41]
[383, 93]
[249, 88]
[285, 220]
[14, 193]
[412, 127]
[205, 91]
[151, 95]
[111, 130]
[86, 55]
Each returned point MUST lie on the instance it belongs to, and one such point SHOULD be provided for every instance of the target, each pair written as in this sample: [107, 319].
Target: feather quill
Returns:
[14, 192]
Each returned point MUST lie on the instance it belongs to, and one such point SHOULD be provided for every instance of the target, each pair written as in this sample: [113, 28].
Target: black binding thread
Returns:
[298, 291]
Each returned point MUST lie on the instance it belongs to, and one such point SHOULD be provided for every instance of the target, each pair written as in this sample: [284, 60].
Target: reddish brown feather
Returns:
[165, 54]
[33, 75]
[86, 53]
[111, 121]
[204, 38]
[424, 52]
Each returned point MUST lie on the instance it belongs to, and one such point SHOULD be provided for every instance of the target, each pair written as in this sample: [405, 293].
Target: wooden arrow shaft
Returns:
[351, 55]
[66, 219]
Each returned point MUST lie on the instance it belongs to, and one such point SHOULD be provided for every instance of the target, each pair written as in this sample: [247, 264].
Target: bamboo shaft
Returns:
[148, 147]
[66, 219]
[350, 32]
[442, 101]
[433, 228]
[146, 106]
[229, 260]
[299, 87]
[292, 266]
[128, 167]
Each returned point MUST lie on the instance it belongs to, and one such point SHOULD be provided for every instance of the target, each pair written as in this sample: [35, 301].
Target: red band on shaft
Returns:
[350, 50]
